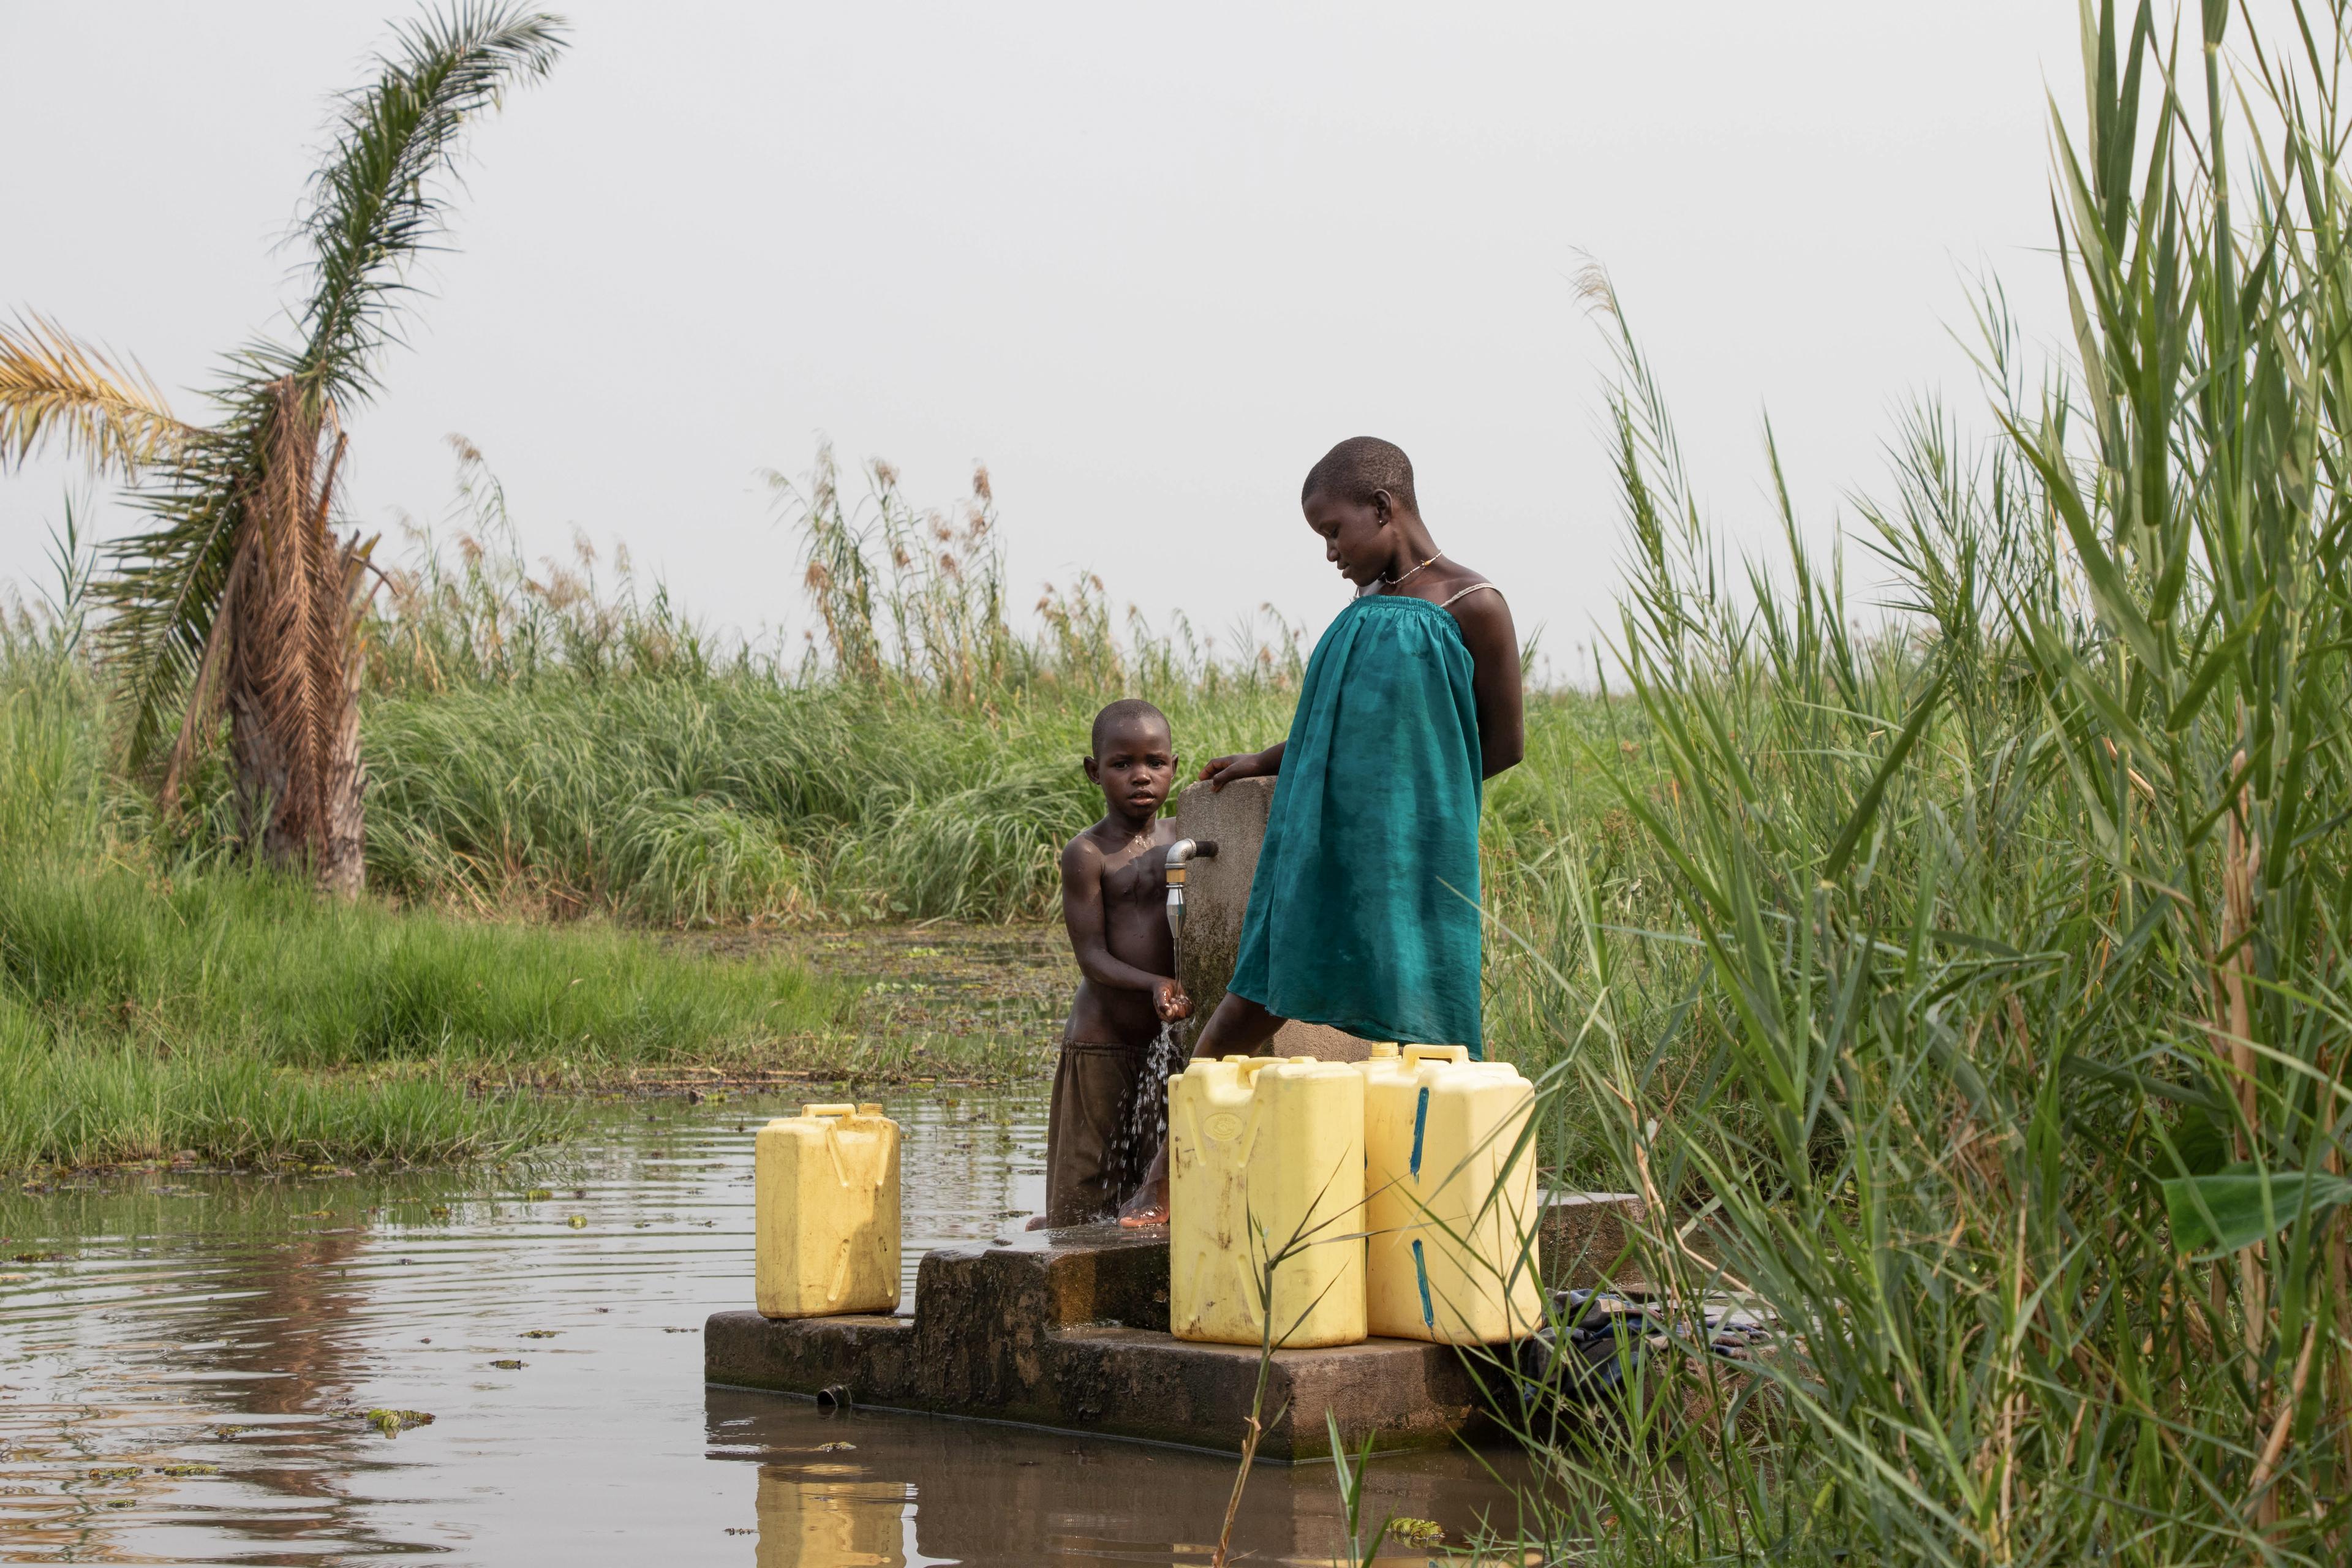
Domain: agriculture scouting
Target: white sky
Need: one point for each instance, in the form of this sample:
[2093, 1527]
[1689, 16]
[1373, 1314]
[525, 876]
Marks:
[1147, 263]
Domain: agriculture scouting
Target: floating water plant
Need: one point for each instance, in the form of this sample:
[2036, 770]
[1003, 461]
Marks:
[392, 1423]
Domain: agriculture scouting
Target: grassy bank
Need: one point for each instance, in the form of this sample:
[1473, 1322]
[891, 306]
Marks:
[551, 858]
[154, 998]
[571, 796]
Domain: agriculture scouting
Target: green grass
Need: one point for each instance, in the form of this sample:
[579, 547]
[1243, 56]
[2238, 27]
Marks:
[738, 796]
[154, 1002]
[226, 956]
[97, 1099]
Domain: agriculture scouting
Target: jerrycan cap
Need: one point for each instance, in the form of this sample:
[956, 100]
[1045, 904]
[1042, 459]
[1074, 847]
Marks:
[1382, 1050]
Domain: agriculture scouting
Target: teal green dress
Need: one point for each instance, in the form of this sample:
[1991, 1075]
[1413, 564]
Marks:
[1363, 913]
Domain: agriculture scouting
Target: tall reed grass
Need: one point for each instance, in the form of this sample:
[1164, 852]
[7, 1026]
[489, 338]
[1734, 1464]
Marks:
[1983, 1017]
[553, 740]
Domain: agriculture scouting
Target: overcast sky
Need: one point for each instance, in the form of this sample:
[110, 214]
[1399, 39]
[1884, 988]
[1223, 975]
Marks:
[1146, 263]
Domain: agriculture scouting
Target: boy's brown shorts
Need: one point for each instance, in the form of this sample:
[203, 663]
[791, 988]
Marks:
[1094, 1161]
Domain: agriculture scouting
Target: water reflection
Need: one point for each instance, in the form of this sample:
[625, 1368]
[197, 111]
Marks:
[913, 1489]
[243, 1326]
[811, 1520]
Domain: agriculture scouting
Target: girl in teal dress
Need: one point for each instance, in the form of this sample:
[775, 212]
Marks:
[1363, 913]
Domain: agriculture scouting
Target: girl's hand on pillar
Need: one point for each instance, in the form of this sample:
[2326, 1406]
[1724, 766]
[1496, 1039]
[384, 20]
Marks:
[1219, 771]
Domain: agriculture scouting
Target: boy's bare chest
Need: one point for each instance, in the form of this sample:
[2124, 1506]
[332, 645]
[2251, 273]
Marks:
[1134, 878]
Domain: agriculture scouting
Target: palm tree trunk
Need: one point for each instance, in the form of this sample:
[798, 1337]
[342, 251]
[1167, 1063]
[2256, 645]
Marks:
[291, 685]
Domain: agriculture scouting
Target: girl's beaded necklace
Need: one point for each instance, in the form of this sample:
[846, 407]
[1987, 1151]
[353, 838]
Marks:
[1398, 581]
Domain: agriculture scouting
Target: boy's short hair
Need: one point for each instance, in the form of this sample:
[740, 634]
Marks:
[1359, 466]
[1119, 713]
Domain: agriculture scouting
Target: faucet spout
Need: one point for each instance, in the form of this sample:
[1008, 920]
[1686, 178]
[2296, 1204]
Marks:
[1180, 855]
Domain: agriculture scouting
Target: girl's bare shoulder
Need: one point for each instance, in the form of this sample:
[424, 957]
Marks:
[1477, 607]
[1466, 592]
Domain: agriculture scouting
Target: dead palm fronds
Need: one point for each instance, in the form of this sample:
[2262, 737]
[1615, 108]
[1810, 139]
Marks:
[239, 595]
[283, 660]
[52, 385]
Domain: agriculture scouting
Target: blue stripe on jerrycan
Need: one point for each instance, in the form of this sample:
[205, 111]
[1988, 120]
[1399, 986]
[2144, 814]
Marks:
[1450, 1201]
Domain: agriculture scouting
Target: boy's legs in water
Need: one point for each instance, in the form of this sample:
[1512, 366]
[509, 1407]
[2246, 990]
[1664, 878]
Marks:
[1091, 1160]
[1237, 1028]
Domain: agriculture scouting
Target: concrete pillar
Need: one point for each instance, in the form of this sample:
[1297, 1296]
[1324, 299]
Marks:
[1217, 893]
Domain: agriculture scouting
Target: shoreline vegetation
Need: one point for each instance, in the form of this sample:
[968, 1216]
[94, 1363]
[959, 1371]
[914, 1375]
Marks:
[601, 855]
[604, 850]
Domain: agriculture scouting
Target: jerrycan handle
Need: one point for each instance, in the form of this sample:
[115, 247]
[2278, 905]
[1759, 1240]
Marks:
[1416, 1054]
[1252, 1065]
[829, 1111]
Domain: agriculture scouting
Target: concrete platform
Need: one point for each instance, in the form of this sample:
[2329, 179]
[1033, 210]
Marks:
[1068, 1329]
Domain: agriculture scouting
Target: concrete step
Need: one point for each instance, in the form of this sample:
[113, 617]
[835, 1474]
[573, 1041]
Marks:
[1068, 1329]
[1117, 1382]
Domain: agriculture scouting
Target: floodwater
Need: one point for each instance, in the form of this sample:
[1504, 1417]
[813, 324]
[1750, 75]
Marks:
[186, 1360]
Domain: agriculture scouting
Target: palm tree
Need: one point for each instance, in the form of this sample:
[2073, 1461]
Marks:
[241, 595]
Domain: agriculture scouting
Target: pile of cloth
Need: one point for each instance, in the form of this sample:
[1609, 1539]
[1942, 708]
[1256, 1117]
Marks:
[1598, 1342]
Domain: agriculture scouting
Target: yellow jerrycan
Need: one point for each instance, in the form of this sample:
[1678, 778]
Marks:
[825, 1212]
[1451, 1211]
[1265, 1165]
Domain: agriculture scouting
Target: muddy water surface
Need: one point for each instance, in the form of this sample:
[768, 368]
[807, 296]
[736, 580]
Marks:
[186, 1363]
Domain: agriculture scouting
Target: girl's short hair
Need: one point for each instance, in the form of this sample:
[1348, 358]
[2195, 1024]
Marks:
[1358, 469]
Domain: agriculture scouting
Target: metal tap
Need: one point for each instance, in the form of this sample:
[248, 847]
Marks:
[1180, 855]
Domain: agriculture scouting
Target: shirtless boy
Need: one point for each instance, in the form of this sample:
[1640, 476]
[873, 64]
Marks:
[1114, 900]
